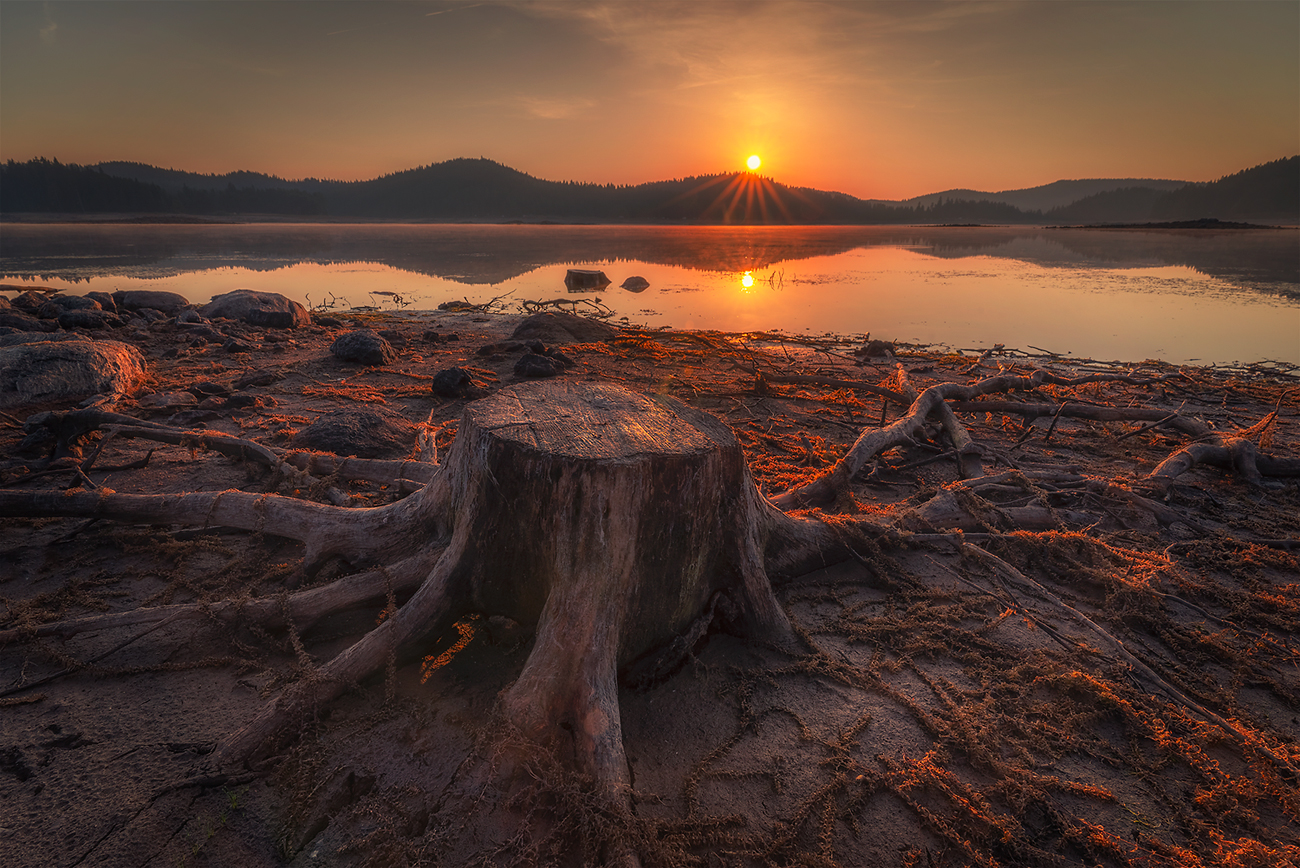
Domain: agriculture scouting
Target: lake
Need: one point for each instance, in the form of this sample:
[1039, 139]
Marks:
[1205, 295]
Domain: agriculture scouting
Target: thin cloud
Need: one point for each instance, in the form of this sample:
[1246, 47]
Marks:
[51, 28]
[453, 9]
[554, 109]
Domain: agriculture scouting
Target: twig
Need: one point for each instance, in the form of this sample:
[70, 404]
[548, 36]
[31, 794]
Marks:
[1055, 418]
[1148, 427]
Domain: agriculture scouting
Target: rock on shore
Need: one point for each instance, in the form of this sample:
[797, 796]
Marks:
[67, 370]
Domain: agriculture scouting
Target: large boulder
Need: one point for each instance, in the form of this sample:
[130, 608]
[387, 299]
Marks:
[150, 299]
[269, 309]
[563, 328]
[67, 371]
[364, 346]
[366, 432]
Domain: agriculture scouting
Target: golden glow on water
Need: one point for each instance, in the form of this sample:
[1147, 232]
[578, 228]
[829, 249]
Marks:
[1090, 294]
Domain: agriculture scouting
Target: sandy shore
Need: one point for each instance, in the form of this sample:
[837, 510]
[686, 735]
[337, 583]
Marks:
[950, 715]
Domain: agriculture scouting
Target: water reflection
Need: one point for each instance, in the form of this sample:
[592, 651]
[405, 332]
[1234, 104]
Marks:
[1203, 295]
[1264, 260]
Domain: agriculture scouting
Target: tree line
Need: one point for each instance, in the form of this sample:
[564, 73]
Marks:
[480, 189]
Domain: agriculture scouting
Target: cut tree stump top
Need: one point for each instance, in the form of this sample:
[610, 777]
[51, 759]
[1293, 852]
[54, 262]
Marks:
[595, 421]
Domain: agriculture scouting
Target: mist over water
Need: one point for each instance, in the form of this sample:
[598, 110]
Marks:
[1189, 295]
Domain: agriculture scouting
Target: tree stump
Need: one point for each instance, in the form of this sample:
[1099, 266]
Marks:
[610, 520]
[612, 526]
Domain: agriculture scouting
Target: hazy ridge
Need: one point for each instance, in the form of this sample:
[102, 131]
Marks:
[483, 190]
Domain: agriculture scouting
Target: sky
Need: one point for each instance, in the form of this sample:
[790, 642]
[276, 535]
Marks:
[880, 100]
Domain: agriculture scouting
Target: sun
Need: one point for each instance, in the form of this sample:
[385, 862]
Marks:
[753, 162]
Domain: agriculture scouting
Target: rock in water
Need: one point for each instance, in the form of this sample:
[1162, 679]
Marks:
[269, 309]
[366, 432]
[585, 280]
[67, 371]
[363, 346]
[635, 284]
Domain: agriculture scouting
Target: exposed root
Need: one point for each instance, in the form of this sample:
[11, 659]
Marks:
[827, 487]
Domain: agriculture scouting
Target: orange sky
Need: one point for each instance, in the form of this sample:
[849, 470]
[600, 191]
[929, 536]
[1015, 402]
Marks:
[876, 99]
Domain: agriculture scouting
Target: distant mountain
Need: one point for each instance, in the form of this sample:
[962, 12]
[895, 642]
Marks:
[483, 190]
[174, 180]
[51, 186]
[1266, 193]
[1048, 196]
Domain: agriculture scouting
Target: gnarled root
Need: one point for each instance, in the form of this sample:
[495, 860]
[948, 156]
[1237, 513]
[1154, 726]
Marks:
[940, 401]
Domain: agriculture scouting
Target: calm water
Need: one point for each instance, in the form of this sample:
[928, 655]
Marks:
[1188, 295]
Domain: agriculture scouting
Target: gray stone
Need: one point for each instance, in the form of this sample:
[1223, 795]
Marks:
[191, 418]
[67, 371]
[75, 302]
[18, 319]
[635, 284]
[169, 401]
[267, 309]
[366, 432]
[263, 377]
[88, 319]
[151, 299]
[563, 328]
[455, 383]
[532, 365]
[363, 346]
[29, 301]
[105, 300]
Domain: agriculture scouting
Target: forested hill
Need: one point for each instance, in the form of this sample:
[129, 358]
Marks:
[480, 189]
